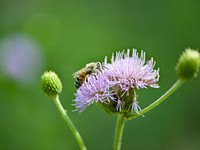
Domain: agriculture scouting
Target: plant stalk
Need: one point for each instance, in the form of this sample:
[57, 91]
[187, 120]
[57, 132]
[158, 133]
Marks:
[69, 122]
[118, 132]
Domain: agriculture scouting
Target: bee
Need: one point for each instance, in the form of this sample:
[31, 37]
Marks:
[82, 75]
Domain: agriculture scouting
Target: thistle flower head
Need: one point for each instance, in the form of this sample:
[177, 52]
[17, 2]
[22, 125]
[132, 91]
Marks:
[95, 90]
[51, 84]
[131, 72]
[114, 88]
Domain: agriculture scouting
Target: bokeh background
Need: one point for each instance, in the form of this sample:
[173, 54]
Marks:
[39, 35]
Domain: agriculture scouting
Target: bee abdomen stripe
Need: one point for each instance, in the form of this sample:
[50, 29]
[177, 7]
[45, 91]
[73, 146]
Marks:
[79, 79]
[82, 76]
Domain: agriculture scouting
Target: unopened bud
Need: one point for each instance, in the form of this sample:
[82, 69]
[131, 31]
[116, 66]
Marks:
[51, 84]
[188, 65]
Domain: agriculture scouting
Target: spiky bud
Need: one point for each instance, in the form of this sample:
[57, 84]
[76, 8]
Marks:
[188, 65]
[51, 84]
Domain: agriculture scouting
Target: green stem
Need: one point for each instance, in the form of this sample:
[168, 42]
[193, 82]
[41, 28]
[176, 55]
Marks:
[118, 132]
[69, 122]
[159, 100]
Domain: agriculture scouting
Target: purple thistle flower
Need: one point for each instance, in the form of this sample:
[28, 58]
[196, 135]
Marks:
[131, 73]
[95, 90]
[115, 86]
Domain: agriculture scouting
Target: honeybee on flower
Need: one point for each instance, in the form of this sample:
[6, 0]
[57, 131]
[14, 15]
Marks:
[84, 73]
[114, 89]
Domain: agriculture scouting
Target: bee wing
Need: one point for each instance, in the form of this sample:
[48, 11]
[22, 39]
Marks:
[78, 72]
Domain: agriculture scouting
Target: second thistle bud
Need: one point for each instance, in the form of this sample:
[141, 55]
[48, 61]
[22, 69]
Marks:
[188, 65]
[51, 84]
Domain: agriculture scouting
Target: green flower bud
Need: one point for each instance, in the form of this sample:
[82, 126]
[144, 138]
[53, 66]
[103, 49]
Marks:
[188, 65]
[51, 84]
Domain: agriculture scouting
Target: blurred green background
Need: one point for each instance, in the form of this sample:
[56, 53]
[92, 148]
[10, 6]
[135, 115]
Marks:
[65, 35]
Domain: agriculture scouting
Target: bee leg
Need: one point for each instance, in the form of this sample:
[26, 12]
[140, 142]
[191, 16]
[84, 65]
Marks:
[87, 80]
[104, 67]
[99, 66]
[95, 75]
[77, 84]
